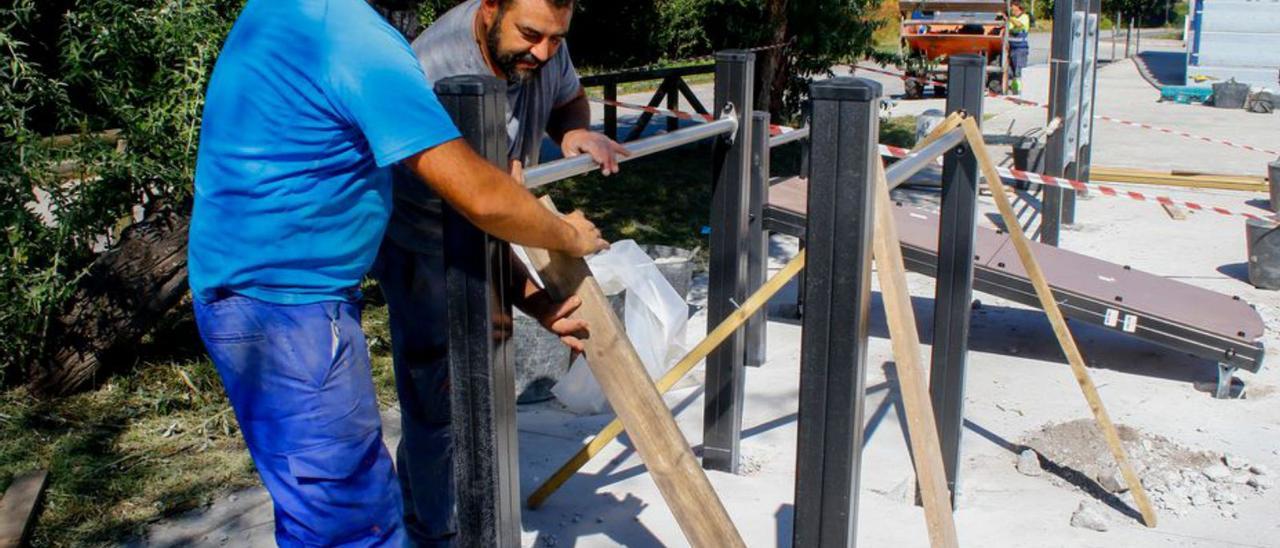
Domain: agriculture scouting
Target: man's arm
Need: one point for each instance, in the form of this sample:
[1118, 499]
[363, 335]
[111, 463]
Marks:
[568, 126]
[497, 204]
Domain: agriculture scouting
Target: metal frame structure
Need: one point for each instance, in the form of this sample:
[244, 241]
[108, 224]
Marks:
[478, 269]
[672, 88]
[1073, 66]
[481, 364]
[834, 215]
[954, 290]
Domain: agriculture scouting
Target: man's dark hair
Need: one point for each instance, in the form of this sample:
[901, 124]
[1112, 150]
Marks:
[1016, 3]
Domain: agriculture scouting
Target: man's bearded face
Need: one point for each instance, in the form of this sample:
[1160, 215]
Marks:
[520, 65]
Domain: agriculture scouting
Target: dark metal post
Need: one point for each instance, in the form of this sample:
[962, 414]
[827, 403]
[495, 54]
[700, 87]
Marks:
[722, 414]
[610, 111]
[834, 342]
[1060, 94]
[481, 366]
[1073, 67]
[757, 238]
[954, 292]
[673, 100]
[1082, 169]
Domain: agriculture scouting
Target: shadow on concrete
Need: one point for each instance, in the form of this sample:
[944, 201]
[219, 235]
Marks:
[785, 517]
[1163, 68]
[1239, 271]
[617, 521]
[1026, 332]
[1260, 203]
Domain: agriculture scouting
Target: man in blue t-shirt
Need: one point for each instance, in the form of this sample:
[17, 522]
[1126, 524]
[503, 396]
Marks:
[310, 104]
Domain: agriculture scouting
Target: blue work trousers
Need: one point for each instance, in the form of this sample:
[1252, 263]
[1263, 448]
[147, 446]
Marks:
[299, 381]
[413, 284]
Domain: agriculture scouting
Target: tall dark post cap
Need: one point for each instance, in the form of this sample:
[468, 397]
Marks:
[734, 55]
[967, 59]
[846, 88]
[469, 84]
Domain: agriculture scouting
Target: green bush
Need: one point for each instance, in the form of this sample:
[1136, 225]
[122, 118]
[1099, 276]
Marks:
[80, 67]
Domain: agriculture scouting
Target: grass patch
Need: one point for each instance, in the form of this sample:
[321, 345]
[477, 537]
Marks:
[898, 131]
[146, 445]
[149, 444]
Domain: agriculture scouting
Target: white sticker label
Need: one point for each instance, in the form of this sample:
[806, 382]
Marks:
[1107, 279]
[1130, 323]
[1112, 318]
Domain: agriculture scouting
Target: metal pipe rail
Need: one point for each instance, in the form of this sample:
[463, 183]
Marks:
[905, 168]
[789, 137]
[568, 167]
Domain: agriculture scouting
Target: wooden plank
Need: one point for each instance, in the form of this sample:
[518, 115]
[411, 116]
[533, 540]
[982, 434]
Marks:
[19, 508]
[1179, 179]
[921, 427]
[1059, 323]
[1176, 213]
[635, 399]
[717, 336]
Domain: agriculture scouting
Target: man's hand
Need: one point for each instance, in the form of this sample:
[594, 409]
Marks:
[590, 241]
[554, 316]
[601, 148]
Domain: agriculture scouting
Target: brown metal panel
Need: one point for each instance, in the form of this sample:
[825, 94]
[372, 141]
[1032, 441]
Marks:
[1139, 293]
[1133, 292]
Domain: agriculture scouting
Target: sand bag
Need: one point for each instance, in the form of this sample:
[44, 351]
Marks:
[655, 318]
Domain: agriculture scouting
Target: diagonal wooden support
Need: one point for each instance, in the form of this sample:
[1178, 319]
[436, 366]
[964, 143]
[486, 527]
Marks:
[631, 393]
[1050, 306]
[611, 431]
[921, 428]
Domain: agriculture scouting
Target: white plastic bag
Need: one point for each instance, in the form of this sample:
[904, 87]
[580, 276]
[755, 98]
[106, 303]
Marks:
[655, 319]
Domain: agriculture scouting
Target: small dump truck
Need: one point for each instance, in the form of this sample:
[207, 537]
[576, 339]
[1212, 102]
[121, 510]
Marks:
[934, 30]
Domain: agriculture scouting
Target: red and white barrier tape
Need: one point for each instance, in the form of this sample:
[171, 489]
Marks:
[1026, 102]
[1005, 173]
[1085, 188]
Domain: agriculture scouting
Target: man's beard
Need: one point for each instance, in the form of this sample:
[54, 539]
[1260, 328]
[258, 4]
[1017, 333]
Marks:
[508, 63]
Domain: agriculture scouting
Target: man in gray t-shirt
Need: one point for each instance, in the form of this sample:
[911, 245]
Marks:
[521, 41]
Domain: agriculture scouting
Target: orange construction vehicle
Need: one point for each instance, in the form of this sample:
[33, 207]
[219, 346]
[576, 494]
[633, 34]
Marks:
[934, 30]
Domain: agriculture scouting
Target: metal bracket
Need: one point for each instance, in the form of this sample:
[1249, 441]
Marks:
[1226, 374]
[732, 114]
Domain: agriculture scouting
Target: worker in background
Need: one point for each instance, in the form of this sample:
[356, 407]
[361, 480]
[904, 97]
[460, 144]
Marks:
[1019, 49]
[522, 42]
[310, 104]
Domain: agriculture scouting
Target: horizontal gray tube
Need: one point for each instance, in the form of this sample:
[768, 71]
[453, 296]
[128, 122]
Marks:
[789, 137]
[899, 173]
[568, 167]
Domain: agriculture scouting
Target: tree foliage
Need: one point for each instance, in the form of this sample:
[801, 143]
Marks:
[80, 67]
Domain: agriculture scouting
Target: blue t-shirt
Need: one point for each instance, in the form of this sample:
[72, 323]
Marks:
[309, 104]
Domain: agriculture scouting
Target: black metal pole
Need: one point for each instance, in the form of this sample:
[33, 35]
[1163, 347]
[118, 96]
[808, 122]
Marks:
[481, 366]
[757, 238]
[722, 412]
[610, 111]
[672, 84]
[954, 291]
[1057, 157]
[834, 342]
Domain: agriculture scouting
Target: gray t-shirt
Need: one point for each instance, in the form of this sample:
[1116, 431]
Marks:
[449, 48]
